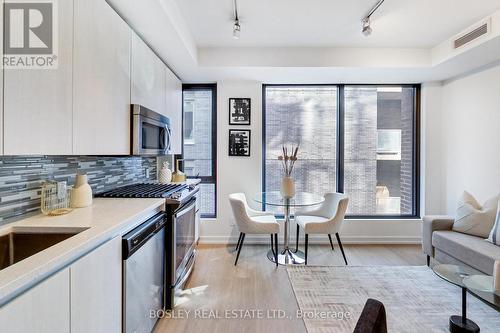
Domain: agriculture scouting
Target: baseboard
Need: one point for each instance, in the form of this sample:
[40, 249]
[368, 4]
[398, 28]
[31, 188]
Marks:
[319, 239]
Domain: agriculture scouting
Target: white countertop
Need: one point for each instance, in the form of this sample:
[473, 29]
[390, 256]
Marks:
[104, 220]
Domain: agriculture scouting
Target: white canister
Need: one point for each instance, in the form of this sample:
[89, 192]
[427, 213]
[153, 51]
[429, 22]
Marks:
[165, 175]
[81, 195]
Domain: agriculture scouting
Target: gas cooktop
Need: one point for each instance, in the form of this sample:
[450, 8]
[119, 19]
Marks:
[145, 190]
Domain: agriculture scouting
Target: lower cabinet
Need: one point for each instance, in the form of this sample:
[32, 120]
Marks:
[44, 308]
[96, 290]
[84, 297]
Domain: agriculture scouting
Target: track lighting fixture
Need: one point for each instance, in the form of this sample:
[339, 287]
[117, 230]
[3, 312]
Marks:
[366, 27]
[236, 26]
[236, 29]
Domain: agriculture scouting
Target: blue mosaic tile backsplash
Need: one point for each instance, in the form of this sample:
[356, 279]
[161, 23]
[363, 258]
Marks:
[21, 177]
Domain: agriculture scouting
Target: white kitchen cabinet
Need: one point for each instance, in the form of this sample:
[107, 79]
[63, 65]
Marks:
[101, 87]
[38, 102]
[174, 109]
[44, 308]
[1, 82]
[148, 83]
[96, 290]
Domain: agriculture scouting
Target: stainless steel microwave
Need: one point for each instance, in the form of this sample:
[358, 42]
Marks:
[151, 132]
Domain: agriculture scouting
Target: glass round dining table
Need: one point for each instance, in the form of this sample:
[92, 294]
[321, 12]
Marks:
[301, 199]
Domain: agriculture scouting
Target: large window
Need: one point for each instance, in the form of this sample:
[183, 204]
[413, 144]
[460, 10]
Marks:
[199, 146]
[360, 140]
[304, 116]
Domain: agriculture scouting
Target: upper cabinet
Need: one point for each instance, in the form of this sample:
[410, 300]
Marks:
[174, 109]
[101, 86]
[37, 102]
[1, 82]
[148, 84]
[82, 107]
[154, 86]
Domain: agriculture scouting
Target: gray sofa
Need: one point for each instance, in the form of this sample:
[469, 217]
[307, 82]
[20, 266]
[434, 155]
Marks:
[450, 247]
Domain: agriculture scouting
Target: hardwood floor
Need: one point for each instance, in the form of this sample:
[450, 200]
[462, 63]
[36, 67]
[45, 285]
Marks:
[216, 286]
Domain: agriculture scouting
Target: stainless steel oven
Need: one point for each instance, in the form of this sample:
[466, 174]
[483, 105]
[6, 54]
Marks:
[151, 132]
[180, 234]
[181, 245]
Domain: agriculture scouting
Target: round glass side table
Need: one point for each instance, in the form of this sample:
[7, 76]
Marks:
[457, 275]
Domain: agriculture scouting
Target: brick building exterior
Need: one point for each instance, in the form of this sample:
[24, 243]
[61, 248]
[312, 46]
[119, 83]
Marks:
[377, 183]
[198, 150]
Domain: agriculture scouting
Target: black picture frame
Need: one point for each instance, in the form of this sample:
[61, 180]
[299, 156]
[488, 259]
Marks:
[237, 148]
[240, 111]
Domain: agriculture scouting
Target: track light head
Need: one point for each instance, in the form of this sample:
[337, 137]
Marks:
[236, 29]
[367, 30]
[236, 26]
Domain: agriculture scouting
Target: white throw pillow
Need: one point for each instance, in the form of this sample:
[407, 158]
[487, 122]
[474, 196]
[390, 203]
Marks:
[495, 231]
[472, 219]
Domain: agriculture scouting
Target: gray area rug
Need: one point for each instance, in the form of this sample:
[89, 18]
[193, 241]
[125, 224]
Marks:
[416, 300]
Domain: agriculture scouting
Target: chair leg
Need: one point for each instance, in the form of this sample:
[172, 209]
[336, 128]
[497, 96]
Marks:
[276, 249]
[239, 248]
[428, 261]
[341, 248]
[297, 239]
[331, 243]
[305, 252]
[238, 244]
[272, 243]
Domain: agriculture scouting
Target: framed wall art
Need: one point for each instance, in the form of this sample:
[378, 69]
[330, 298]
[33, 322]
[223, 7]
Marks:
[239, 111]
[239, 142]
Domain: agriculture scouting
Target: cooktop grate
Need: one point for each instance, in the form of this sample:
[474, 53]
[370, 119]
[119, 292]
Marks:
[143, 190]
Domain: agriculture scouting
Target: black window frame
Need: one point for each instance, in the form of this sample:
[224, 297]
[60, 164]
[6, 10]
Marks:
[340, 141]
[213, 178]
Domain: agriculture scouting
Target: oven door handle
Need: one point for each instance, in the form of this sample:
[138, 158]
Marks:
[186, 208]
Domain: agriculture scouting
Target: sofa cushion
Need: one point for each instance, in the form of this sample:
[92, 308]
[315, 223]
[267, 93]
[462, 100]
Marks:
[495, 231]
[474, 251]
[474, 219]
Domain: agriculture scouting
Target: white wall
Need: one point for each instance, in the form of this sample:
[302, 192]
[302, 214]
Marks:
[244, 174]
[471, 136]
[234, 174]
[431, 171]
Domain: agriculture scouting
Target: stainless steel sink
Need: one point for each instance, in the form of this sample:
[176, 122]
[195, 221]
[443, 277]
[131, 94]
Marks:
[18, 245]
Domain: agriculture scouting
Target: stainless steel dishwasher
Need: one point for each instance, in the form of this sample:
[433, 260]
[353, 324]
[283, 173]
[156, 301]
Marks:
[143, 274]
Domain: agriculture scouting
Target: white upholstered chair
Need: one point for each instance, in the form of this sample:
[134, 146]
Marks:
[250, 221]
[325, 219]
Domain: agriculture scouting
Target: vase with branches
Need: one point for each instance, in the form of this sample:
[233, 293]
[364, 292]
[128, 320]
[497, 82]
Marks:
[288, 160]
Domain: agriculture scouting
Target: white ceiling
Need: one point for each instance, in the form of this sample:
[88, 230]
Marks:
[315, 41]
[332, 23]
